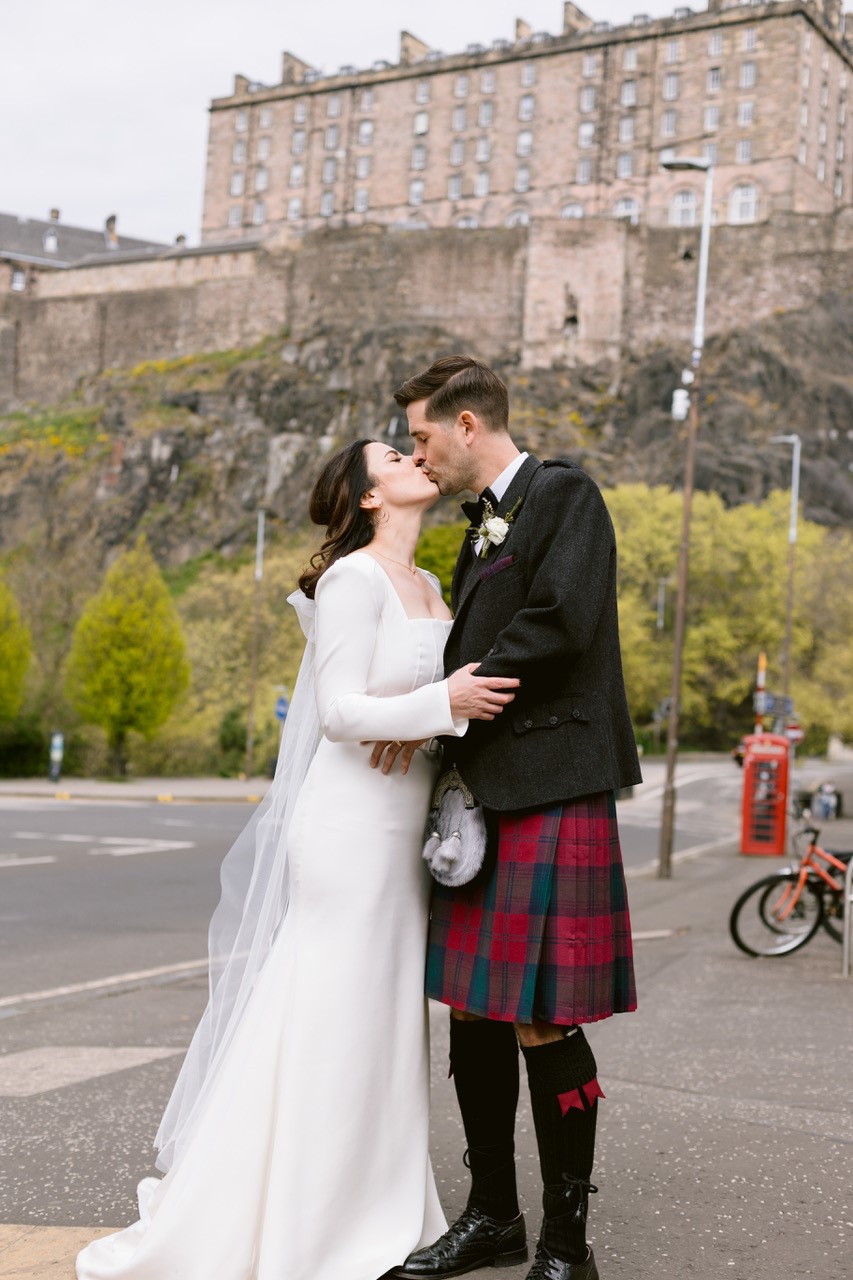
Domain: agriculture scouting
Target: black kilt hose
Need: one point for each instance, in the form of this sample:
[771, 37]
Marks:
[543, 931]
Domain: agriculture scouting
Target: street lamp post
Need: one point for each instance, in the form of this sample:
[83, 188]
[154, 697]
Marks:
[793, 439]
[691, 378]
[256, 627]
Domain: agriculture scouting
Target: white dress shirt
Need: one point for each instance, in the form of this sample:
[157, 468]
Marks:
[499, 488]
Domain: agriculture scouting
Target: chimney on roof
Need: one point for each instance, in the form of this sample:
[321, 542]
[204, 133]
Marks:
[110, 233]
[293, 69]
[523, 30]
[181, 241]
[574, 19]
[411, 49]
[54, 215]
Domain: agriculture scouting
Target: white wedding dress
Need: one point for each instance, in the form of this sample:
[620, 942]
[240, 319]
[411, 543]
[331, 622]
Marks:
[309, 1158]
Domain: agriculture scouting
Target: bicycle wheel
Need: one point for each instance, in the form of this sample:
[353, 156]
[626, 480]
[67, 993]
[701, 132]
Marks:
[762, 924]
[833, 914]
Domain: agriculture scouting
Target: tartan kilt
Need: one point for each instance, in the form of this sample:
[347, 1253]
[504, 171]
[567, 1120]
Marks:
[543, 930]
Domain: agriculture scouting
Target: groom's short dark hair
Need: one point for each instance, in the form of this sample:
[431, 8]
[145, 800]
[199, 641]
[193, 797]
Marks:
[455, 383]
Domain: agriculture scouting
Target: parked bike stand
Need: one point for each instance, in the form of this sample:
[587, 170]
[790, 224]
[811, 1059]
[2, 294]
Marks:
[847, 935]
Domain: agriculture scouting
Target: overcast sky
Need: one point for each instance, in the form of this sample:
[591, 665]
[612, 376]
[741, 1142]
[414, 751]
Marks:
[104, 105]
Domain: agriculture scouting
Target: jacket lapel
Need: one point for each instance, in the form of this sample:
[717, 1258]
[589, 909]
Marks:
[464, 586]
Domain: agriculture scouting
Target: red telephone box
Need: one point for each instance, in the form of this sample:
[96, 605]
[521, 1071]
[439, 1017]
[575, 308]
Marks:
[765, 794]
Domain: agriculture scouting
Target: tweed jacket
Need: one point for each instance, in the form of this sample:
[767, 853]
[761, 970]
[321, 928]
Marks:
[542, 606]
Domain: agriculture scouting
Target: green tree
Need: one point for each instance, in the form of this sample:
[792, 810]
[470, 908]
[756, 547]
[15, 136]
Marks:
[127, 667]
[14, 654]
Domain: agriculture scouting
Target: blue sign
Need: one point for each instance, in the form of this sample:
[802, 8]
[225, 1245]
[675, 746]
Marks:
[281, 707]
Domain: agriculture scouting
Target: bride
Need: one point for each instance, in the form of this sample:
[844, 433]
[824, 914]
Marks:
[294, 1145]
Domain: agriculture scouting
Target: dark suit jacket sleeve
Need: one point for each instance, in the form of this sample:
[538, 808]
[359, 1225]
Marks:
[569, 552]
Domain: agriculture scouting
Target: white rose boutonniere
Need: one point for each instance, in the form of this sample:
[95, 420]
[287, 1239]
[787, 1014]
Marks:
[494, 528]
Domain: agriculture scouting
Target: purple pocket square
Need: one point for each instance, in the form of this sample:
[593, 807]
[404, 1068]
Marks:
[492, 569]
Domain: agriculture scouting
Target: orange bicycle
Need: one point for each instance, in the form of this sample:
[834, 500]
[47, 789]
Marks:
[782, 912]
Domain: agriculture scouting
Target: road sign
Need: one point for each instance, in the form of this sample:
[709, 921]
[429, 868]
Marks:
[772, 704]
[795, 734]
[281, 706]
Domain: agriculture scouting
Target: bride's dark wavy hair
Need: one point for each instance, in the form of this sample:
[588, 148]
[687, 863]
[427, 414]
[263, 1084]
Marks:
[334, 504]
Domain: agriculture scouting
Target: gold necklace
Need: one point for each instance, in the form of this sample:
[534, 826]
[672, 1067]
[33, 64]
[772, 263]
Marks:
[411, 570]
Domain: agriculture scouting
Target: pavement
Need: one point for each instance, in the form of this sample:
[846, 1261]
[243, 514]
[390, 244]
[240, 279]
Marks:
[725, 1142]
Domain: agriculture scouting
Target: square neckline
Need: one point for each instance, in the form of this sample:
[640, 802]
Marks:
[445, 622]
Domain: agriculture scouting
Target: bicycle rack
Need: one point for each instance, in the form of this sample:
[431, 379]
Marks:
[847, 934]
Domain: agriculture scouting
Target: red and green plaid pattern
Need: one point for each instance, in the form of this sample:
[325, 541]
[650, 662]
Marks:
[543, 931]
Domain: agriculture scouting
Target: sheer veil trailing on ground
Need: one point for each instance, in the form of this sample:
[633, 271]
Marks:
[251, 908]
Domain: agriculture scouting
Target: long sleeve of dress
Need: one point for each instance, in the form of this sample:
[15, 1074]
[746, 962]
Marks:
[349, 602]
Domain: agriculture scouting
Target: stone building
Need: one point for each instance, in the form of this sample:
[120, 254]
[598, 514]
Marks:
[548, 126]
[32, 246]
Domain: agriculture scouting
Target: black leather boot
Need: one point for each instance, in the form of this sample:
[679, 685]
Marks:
[562, 1252]
[474, 1240]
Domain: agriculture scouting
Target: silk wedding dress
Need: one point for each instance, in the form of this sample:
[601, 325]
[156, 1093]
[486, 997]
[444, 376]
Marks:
[309, 1157]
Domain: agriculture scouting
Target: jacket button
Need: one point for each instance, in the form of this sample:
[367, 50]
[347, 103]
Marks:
[553, 720]
[528, 724]
[576, 715]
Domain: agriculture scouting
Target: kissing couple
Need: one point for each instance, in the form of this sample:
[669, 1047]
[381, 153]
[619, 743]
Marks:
[295, 1143]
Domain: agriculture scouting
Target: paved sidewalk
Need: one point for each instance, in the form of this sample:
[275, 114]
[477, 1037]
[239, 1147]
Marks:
[138, 790]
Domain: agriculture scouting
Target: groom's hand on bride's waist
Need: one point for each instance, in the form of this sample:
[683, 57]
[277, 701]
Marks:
[390, 751]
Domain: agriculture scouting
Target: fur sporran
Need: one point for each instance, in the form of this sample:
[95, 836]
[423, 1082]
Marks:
[456, 832]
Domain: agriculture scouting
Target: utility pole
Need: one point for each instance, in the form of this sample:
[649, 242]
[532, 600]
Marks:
[256, 627]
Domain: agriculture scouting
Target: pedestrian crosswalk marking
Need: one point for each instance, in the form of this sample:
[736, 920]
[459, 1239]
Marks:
[23, 862]
[112, 846]
[32, 1071]
[96, 984]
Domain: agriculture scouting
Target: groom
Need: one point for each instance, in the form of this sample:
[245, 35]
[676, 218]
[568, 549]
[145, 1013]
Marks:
[540, 941]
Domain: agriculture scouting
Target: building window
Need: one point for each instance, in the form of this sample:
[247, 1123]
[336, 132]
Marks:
[460, 119]
[750, 40]
[842, 112]
[241, 121]
[747, 75]
[366, 104]
[743, 203]
[294, 209]
[333, 135]
[19, 280]
[713, 80]
[712, 119]
[804, 116]
[487, 81]
[743, 151]
[821, 133]
[298, 147]
[586, 135]
[667, 154]
[486, 114]
[237, 184]
[460, 87]
[238, 155]
[327, 204]
[628, 94]
[821, 170]
[584, 171]
[682, 211]
[839, 149]
[259, 213]
[626, 129]
[364, 166]
[745, 113]
[484, 151]
[454, 186]
[625, 165]
[300, 113]
[330, 169]
[572, 210]
[807, 42]
[668, 124]
[297, 175]
[629, 61]
[526, 107]
[518, 218]
[467, 223]
[263, 148]
[589, 67]
[803, 153]
[807, 75]
[528, 75]
[670, 86]
[262, 179]
[235, 215]
[419, 156]
[839, 186]
[709, 151]
[265, 118]
[457, 151]
[481, 183]
[524, 143]
[824, 60]
[628, 209]
[824, 95]
[522, 179]
[333, 106]
[673, 51]
[365, 133]
[422, 91]
[588, 97]
[715, 44]
[362, 200]
[421, 125]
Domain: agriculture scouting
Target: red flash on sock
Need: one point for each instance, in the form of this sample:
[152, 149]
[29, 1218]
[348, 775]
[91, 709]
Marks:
[573, 1097]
